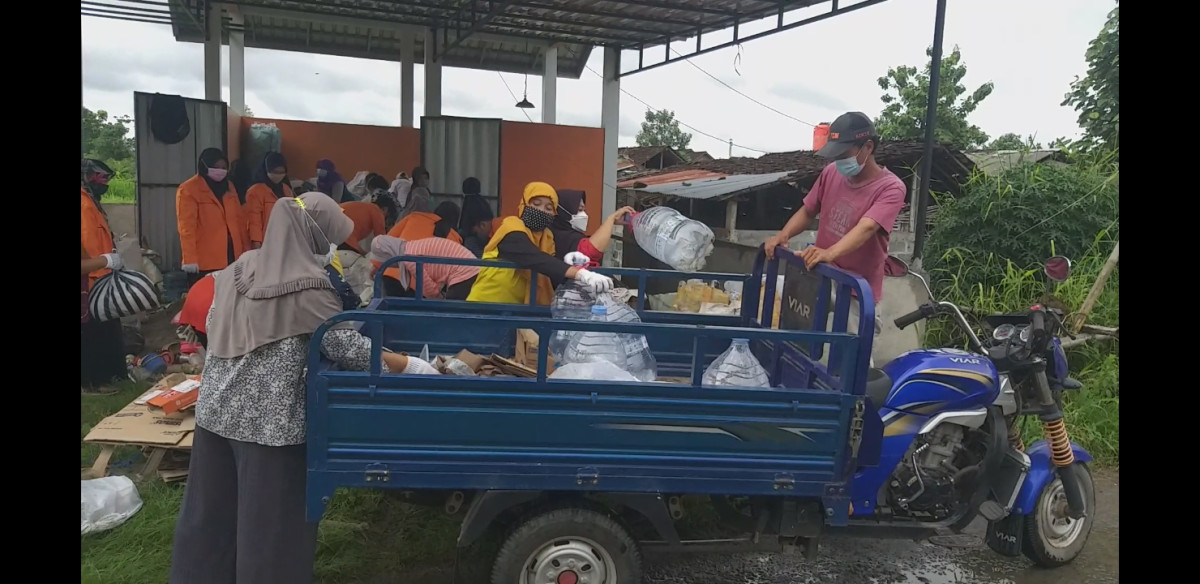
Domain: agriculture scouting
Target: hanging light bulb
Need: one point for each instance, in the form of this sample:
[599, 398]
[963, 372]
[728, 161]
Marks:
[525, 103]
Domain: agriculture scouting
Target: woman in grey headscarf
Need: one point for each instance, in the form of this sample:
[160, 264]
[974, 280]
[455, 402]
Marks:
[419, 200]
[243, 510]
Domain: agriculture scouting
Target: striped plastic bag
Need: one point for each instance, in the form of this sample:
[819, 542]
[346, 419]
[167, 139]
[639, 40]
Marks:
[122, 293]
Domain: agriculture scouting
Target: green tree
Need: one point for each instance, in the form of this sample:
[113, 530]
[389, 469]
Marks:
[660, 128]
[1097, 96]
[906, 96]
[247, 112]
[1013, 141]
[107, 140]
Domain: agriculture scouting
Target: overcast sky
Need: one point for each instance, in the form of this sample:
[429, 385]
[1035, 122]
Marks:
[1030, 49]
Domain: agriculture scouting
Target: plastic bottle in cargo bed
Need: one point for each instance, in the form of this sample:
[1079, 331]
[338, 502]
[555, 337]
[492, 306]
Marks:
[572, 301]
[628, 351]
[737, 367]
[671, 238]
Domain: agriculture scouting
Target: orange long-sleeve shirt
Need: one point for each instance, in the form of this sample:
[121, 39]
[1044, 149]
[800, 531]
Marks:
[260, 199]
[94, 235]
[206, 225]
[368, 220]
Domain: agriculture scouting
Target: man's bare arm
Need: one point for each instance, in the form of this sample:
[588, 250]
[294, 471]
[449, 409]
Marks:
[855, 239]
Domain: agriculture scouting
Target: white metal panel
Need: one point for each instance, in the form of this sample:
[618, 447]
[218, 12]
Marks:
[453, 149]
[162, 167]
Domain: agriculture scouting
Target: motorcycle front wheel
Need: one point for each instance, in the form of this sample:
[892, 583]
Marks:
[1052, 538]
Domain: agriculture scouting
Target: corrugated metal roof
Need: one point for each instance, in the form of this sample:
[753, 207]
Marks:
[1000, 160]
[669, 177]
[503, 36]
[717, 187]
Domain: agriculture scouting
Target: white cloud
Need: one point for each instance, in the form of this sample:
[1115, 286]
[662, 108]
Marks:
[1030, 49]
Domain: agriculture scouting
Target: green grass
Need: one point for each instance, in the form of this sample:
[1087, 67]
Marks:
[366, 537]
[120, 191]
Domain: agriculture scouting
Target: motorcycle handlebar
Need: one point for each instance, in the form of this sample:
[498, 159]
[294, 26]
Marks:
[912, 317]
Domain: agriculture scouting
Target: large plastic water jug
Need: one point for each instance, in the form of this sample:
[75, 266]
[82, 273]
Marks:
[572, 301]
[629, 352]
[670, 237]
[737, 367]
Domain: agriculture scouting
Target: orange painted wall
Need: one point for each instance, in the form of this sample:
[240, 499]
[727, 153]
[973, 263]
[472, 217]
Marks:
[383, 149]
[566, 157]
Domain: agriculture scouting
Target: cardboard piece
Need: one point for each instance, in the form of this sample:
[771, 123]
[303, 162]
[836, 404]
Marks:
[138, 424]
[510, 367]
[527, 351]
[475, 362]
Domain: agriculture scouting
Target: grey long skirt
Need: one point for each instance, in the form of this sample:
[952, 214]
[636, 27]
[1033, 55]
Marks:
[242, 520]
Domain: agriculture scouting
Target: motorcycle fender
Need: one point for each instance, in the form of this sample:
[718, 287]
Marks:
[1041, 473]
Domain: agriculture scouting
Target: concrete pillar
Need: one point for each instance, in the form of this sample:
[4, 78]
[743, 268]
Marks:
[731, 215]
[550, 84]
[212, 52]
[237, 64]
[407, 54]
[610, 120]
[433, 76]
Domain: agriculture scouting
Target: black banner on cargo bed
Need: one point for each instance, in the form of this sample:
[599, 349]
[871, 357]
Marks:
[798, 310]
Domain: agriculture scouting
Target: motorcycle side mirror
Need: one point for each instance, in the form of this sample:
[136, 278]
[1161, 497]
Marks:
[895, 267]
[1058, 268]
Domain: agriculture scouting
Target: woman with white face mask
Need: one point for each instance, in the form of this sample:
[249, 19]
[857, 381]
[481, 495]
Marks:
[570, 228]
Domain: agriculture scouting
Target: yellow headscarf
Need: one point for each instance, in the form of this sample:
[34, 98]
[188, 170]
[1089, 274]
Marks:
[543, 240]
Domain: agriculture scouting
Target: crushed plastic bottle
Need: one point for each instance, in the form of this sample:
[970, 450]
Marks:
[572, 301]
[737, 367]
[670, 237]
[629, 352]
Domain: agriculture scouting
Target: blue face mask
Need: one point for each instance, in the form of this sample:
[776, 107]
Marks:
[849, 167]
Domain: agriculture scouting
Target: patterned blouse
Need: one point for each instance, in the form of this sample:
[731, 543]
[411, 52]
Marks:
[261, 397]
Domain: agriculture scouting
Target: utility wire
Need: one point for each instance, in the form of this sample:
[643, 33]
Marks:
[514, 95]
[739, 92]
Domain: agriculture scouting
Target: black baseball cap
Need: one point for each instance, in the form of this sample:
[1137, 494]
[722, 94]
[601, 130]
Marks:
[844, 132]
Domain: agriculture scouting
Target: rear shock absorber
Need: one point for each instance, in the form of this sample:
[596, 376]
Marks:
[1014, 436]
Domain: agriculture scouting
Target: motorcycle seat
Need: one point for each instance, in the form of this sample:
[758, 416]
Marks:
[878, 386]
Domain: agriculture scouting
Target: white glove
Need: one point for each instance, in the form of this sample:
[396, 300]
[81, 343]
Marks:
[597, 282]
[191, 268]
[419, 367]
[576, 258]
[113, 261]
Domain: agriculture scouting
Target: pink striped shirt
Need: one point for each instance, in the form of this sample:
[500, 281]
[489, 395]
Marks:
[438, 275]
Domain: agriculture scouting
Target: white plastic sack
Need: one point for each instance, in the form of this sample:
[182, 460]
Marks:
[593, 371]
[358, 184]
[106, 503]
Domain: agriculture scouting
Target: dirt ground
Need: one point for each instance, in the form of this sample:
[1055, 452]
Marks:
[855, 561]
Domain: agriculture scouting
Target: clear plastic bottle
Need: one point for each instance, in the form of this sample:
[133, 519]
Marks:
[572, 301]
[672, 238]
[628, 351]
[737, 367]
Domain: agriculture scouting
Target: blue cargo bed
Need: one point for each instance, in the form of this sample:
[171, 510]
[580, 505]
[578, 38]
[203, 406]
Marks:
[373, 429]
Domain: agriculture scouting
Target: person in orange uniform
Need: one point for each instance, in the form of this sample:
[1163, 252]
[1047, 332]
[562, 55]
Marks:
[101, 345]
[369, 220]
[270, 185]
[212, 229]
[420, 224]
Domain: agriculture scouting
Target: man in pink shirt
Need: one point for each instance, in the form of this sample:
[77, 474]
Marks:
[857, 202]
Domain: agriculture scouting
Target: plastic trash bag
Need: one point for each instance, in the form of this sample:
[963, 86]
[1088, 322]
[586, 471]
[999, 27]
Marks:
[593, 371]
[106, 503]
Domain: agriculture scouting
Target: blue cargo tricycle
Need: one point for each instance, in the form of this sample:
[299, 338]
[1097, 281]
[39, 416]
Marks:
[585, 475]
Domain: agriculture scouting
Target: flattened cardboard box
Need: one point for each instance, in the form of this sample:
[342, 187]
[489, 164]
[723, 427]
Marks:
[138, 424]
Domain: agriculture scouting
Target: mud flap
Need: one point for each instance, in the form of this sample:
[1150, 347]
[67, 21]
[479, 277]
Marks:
[1004, 536]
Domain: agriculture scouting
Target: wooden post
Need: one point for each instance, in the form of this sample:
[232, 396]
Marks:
[1098, 287]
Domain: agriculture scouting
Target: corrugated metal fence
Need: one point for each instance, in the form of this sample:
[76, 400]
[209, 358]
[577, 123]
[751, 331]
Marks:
[453, 149]
[161, 167]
